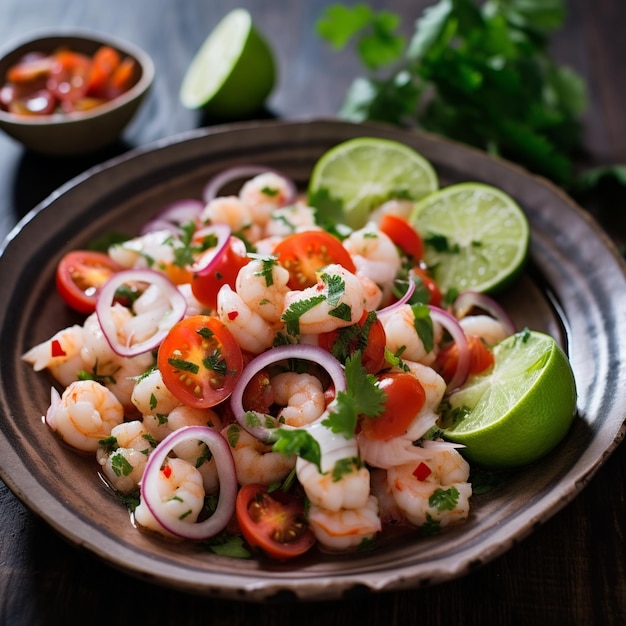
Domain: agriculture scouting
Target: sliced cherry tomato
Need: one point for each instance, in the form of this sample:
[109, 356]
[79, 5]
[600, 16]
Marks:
[104, 63]
[430, 285]
[405, 398]
[200, 361]
[274, 522]
[80, 275]
[403, 235]
[258, 394]
[29, 68]
[122, 78]
[67, 79]
[205, 287]
[481, 358]
[368, 336]
[302, 254]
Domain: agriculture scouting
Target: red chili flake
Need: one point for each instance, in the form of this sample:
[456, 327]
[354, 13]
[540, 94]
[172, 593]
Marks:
[320, 287]
[167, 471]
[57, 348]
[422, 471]
[233, 315]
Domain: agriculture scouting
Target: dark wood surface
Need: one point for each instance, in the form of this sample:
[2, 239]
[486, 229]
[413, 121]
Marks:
[571, 570]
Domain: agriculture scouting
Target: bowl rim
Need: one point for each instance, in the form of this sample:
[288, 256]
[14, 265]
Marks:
[140, 87]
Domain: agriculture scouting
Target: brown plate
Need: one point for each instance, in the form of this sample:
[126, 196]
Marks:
[574, 288]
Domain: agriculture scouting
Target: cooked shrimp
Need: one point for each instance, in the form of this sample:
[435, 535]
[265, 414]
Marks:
[180, 487]
[301, 397]
[153, 249]
[230, 210]
[194, 306]
[399, 207]
[252, 332]
[291, 219]
[123, 455]
[84, 414]
[61, 354]
[255, 461]
[374, 255]
[489, 329]
[262, 285]
[439, 498]
[403, 337]
[345, 529]
[338, 290]
[372, 293]
[263, 194]
[152, 397]
[388, 510]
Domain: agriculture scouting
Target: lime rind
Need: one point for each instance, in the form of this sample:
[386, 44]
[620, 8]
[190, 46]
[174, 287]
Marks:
[364, 172]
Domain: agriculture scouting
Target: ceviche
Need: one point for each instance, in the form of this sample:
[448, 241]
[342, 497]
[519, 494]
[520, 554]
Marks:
[246, 371]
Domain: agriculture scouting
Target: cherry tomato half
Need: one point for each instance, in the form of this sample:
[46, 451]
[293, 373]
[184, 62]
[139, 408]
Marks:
[481, 358]
[345, 341]
[302, 254]
[430, 285]
[405, 398]
[274, 522]
[200, 361]
[80, 275]
[225, 272]
[403, 235]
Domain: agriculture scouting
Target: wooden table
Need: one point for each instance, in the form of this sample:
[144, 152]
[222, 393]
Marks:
[571, 570]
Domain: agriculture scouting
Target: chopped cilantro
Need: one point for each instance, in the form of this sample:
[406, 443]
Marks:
[444, 499]
[296, 310]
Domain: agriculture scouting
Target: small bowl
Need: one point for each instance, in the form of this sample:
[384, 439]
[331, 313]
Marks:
[77, 132]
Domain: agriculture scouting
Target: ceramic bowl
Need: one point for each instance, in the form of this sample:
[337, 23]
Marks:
[85, 131]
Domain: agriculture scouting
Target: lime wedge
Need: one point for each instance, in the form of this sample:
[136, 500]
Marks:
[233, 72]
[476, 237]
[517, 411]
[358, 175]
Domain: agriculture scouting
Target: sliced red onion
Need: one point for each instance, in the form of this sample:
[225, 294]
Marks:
[107, 322]
[392, 308]
[467, 300]
[451, 324]
[293, 351]
[175, 214]
[241, 172]
[207, 260]
[225, 465]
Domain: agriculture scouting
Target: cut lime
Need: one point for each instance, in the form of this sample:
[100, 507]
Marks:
[520, 409]
[360, 174]
[233, 72]
[476, 237]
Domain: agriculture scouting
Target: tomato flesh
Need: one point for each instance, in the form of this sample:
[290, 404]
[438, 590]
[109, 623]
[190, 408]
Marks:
[200, 361]
[481, 358]
[405, 398]
[303, 254]
[274, 522]
[80, 276]
[403, 235]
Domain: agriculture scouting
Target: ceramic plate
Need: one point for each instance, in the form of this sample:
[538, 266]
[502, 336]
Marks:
[574, 288]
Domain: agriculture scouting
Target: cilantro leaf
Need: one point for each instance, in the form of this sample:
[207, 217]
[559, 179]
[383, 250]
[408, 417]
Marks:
[291, 316]
[298, 442]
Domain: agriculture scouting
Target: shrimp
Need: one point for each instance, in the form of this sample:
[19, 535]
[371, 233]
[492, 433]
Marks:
[291, 219]
[341, 302]
[375, 255]
[152, 397]
[86, 413]
[347, 528]
[153, 249]
[263, 194]
[300, 395]
[372, 293]
[489, 329]
[441, 496]
[252, 332]
[400, 207]
[255, 461]
[194, 306]
[182, 496]
[124, 454]
[61, 354]
[388, 510]
[402, 336]
[262, 285]
[230, 210]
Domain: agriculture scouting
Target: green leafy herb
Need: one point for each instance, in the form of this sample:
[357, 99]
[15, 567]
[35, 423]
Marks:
[423, 325]
[300, 443]
[444, 499]
[296, 310]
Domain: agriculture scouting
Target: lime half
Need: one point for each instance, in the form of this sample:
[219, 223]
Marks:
[520, 409]
[233, 72]
[475, 236]
[360, 174]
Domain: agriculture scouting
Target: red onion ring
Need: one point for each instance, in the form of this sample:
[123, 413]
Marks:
[174, 215]
[227, 478]
[293, 351]
[392, 308]
[207, 260]
[105, 303]
[451, 324]
[467, 300]
[240, 172]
